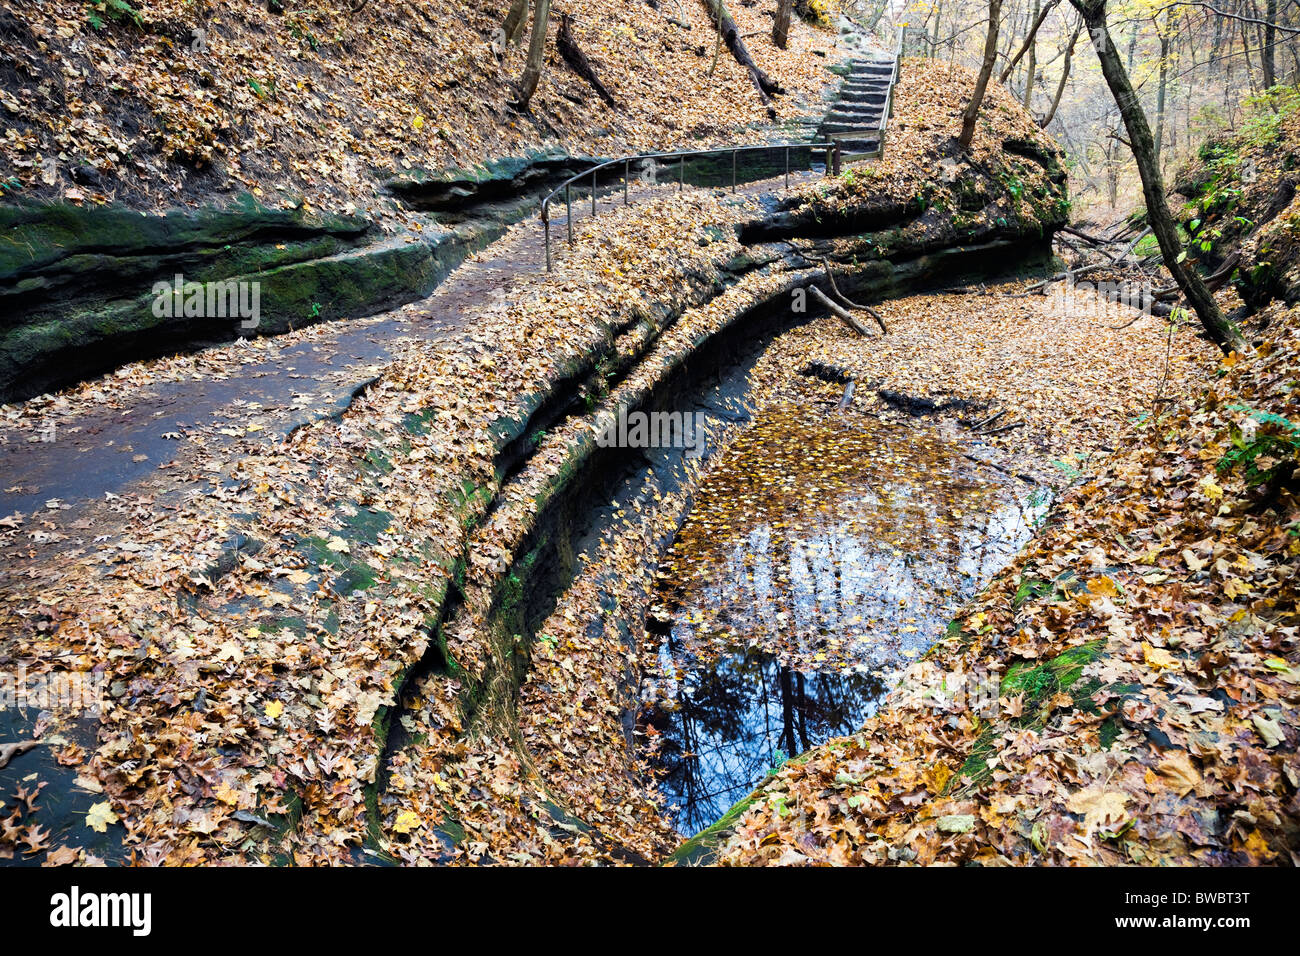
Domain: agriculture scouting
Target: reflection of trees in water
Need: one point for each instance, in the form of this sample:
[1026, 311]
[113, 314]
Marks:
[826, 568]
[731, 719]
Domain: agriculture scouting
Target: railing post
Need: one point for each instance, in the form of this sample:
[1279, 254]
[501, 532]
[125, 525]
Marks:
[787, 169]
[546, 224]
[593, 192]
[627, 171]
[733, 169]
[568, 208]
[835, 155]
[681, 172]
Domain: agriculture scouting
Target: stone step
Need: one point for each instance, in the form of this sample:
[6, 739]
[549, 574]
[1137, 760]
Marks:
[866, 112]
[834, 127]
[875, 97]
[866, 85]
[856, 144]
[881, 70]
[859, 106]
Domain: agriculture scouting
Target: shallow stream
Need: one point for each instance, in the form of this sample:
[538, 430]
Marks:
[823, 552]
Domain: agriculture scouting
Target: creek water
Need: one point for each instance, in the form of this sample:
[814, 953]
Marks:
[821, 555]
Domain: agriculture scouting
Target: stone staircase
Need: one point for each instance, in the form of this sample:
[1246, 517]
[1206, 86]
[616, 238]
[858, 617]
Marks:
[854, 120]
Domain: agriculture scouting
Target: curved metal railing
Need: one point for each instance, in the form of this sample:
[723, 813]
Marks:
[681, 156]
[831, 147]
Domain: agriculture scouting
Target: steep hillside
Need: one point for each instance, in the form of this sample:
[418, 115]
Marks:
[170, 102]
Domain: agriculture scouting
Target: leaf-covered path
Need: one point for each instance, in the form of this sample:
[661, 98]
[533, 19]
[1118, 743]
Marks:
[143, 430]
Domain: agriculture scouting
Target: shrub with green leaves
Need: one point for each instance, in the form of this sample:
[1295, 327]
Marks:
[1274, 446]
[119, 11]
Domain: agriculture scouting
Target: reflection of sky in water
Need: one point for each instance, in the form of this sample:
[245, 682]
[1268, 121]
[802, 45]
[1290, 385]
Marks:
[798, 582]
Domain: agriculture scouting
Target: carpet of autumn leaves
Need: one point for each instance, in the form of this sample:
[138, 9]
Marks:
[321, 103]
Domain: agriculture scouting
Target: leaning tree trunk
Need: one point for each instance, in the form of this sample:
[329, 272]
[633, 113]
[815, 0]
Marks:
[516, 20]
[781, 26]
[536, 54]
[1065, 76]
[982, 83]
[1153, 188]
[1040, 14]
[765, 85]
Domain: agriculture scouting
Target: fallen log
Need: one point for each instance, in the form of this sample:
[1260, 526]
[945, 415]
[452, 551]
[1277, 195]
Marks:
[921, 404]
[827, 373]
[766, 86]
[577, 60]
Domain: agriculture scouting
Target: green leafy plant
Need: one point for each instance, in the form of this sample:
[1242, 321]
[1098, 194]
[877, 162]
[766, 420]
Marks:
[779, 759]
[119, 11]
[1269, 454]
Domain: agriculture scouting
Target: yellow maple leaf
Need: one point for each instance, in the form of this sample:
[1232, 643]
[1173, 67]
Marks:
[1100, 808]
[407, 821]
[100, 816]
[1157, 657]
[274, 709]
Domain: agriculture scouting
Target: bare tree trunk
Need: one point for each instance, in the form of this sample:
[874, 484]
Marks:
[1270, 70]
[1040, 14]
[781, 26]
[1031, 62]
[1153, 188]
[982, 82]
[516, 20]
[536, 54]
[1065, 75]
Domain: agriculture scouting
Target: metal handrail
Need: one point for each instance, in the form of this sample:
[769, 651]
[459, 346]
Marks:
[832, 160]
[888, 112]
[680, 155]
